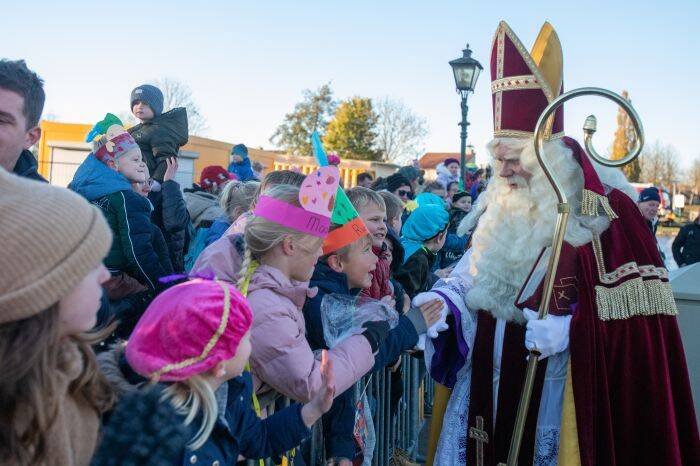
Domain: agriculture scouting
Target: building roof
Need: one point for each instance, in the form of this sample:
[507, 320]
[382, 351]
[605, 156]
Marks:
[433, 159]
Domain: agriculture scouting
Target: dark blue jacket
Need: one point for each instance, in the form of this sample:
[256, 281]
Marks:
[171, 216]
[242, 170]
[217, 230]
[339, 421]
[26, 167]
[246, 434]
[128, 215]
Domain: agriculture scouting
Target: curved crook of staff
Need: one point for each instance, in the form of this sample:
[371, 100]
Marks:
[563, 208]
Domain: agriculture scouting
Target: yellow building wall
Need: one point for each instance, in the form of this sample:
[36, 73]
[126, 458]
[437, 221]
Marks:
[55, 131]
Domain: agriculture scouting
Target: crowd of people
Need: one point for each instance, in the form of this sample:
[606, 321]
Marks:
[211, 296]
[141, 323]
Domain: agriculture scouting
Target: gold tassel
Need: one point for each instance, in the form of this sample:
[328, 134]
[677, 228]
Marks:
[591, 201]
[635, 297]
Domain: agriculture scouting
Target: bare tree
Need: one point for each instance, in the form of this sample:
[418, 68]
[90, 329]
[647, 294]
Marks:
[660, 165]
[400, 133]
[179, 94]
[693, 176]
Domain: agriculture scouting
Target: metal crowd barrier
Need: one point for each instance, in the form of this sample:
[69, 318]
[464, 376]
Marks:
[397, 436]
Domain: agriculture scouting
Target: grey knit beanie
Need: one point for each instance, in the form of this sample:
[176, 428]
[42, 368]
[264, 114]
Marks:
[149, 94]
[52, 238]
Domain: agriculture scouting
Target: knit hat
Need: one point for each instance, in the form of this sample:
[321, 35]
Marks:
[188, 329]
[214, 174]
[411, 173]
[449, 161]
[395, 181]
[429, 198]
[649, 194]
[457, 196]
[424, 223]
[149, 94]
[240, 150]
[51, 239]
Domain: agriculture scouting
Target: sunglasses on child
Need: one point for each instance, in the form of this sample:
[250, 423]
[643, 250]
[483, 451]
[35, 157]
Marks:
[403, 192]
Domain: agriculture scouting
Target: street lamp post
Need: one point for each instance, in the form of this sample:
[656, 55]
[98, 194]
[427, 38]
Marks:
[466, 71]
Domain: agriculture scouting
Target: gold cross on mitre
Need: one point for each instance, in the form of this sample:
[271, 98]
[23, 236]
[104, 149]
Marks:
[481, 437]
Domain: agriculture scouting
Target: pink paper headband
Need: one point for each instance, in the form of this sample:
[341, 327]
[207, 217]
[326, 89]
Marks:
[292, 217]
[317, 198]
[119, 145]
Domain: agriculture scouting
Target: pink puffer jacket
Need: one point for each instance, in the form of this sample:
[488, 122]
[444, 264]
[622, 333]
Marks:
[281, 357]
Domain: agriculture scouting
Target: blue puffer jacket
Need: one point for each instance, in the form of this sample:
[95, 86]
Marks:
[242, 170]
[217, 229]
[339, 421]
[129, 217]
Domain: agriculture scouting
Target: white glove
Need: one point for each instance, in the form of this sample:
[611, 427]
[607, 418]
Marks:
[549, 336]
[440, 325]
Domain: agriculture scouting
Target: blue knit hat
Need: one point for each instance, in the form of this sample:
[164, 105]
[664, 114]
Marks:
[240, 150]
[424, 223]
[429, 198]
[649, 194]
[149, 94]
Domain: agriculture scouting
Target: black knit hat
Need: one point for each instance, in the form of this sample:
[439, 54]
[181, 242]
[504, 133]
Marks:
[395, 181]
[457, 196]
[149, 94]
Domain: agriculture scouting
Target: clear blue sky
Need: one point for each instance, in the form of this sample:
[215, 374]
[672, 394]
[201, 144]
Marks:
[247, 62]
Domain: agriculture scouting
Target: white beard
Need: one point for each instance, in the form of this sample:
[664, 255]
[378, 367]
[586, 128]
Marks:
[514, 225]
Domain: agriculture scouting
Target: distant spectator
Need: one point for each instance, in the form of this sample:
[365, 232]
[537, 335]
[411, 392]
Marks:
[236, 199]
[365, 180]
[455, 245]
[159, 135]
[649, 202]
[379, 184]
[258, 169]
[414, 176]
[394, 211]
[400, 186]
[21, 103]
[686, 246]
[437, 188]
[448, 172]
[240, 163]
[452, 189]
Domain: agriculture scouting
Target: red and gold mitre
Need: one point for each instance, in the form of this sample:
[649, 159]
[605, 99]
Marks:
[523, 83]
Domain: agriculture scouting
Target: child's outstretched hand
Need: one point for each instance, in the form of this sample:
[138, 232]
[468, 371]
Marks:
[431, 311]
[171, 169]
[323, 399]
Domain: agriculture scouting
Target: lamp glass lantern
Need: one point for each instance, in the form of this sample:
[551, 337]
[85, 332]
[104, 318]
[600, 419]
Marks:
[466, 71]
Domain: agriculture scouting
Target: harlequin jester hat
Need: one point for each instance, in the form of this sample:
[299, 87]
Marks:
[317, 197]
[110, 139]
[352, 227]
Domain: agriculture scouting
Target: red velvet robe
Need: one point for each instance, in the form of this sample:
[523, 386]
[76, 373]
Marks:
[630, 381]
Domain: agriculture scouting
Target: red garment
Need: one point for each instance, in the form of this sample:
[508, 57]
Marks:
[380, 286]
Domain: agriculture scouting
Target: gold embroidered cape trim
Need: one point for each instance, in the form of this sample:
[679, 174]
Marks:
[591, 201]
[210, 344]
[634, 297]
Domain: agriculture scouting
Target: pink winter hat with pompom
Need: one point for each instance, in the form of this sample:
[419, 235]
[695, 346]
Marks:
[188, 329]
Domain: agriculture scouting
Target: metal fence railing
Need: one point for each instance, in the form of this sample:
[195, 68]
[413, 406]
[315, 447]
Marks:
[397, 434]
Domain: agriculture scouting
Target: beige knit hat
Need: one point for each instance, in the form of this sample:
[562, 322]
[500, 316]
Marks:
[50, 239]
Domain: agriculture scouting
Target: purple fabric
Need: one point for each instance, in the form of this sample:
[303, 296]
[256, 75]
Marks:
[446, 362]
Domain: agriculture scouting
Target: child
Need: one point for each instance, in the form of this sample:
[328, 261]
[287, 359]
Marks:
[285, 240]
[159, 135]
[224, 256]
[104, 179]
[437, 188]
[370, 206]
[394, 211]
[51, 393]
[195, 339]
[452, 189]
[455, 246]
[346, 271]
[240, 163]
[423, 235]
[235, 200]
[448, 171]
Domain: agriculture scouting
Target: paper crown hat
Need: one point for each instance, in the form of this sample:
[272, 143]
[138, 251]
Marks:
[351, 227]
[523, 83]
[110, 138]
[317, 197]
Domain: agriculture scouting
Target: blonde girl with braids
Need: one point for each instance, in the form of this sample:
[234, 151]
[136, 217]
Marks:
[281, 252]
[194, 338]
[51, 392]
